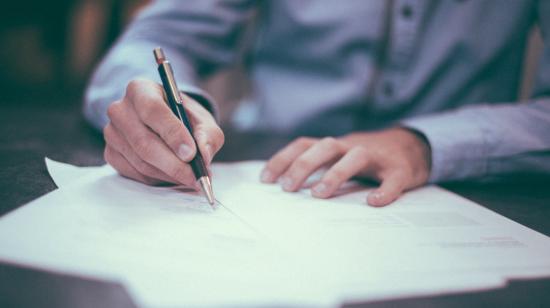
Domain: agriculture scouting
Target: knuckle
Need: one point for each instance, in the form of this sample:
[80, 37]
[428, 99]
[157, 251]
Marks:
[134, 87]
[302, 141]
[220, 135]
[219, 138]
[107, 133]
[330, 143]
[114, 110]
[142, 91]
[112, 138]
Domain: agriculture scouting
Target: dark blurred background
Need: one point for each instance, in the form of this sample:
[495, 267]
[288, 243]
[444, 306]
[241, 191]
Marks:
[48, 48]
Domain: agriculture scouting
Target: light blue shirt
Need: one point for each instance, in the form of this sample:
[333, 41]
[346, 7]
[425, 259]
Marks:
[448, 69]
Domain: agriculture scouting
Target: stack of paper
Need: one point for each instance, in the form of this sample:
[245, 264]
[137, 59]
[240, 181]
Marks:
[263, 246]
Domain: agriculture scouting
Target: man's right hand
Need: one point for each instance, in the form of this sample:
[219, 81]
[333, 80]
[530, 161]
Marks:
[146, 142]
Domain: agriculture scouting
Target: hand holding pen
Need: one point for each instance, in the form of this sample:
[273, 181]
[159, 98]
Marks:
[145, 141]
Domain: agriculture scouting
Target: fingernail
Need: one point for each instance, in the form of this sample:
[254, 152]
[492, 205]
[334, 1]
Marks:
[319, 189]
[375, 198]
[376, 195]
[266, 176]
[287, 183]
[184, 152]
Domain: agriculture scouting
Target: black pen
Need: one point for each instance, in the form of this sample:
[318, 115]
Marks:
[175, 102]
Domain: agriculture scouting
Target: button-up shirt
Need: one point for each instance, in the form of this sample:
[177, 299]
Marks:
[448, 69]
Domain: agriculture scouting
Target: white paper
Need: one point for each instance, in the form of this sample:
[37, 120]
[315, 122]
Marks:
[64, 175]
[264, 246]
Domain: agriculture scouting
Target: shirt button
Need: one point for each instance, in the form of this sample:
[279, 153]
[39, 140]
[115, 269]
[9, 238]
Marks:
[407, 11]
[388, 89]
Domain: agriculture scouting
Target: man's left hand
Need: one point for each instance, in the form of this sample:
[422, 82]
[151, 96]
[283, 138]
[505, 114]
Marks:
[397, 158]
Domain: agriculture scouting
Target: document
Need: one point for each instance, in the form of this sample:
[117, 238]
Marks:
[262, 246]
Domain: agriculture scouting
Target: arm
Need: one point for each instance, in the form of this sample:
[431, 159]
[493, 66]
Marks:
[466, 143]
[488, 140]
[199, 37]
[144, 139]
[494, 140]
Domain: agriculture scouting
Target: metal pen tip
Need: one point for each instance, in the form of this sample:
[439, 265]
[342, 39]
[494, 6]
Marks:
[206, 186]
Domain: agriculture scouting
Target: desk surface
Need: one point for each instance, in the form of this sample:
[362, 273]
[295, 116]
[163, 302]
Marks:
[28, 135]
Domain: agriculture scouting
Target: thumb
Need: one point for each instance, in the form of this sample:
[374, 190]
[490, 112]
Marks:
[390, 189]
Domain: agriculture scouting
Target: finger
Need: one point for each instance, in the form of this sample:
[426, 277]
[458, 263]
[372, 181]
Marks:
[124, 168]
[280, 162]
[351, 164]
[319, 154]
[120, 145]
[147, 99]
[207, 133]
[390, 189]
[148, 145]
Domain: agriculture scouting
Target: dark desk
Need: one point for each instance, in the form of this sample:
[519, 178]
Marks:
[27, 136]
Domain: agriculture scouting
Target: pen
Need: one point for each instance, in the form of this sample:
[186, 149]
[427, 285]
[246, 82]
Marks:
[175, 102]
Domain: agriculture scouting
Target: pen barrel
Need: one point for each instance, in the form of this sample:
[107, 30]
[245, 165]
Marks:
[176, 105]
[197, 163]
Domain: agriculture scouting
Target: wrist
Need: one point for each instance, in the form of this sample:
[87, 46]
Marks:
[419, 146]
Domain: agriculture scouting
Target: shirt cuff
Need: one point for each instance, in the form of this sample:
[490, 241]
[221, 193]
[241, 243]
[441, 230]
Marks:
[458, 144]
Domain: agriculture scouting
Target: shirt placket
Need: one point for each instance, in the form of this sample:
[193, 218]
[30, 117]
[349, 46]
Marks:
[403, 36]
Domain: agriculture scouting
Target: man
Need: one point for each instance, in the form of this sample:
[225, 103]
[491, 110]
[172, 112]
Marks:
[412, 91]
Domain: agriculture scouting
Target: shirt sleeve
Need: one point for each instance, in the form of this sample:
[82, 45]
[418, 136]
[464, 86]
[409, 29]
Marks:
[494, 140]
[198, 37]
[487, 140]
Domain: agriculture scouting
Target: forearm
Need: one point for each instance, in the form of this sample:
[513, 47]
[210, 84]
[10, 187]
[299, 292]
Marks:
[487, 140]
[198, 37]
[128, 60]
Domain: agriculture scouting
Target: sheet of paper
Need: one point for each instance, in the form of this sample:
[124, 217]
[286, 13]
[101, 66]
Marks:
[168, 246]
[424, 210]
[64, 175]
[265, 246]
[429, 230]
